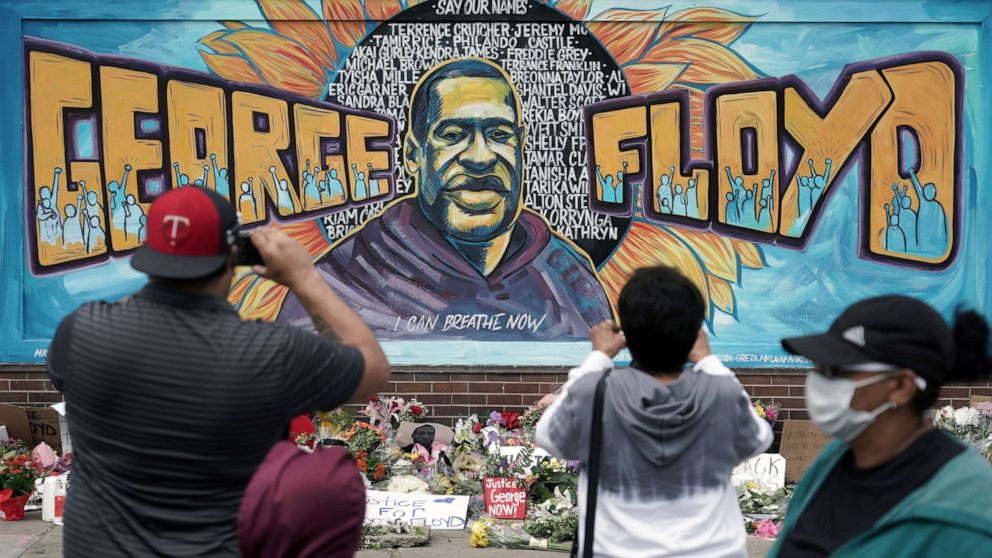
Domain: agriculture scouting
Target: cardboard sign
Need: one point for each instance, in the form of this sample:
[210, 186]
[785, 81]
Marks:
[437, 512]
[33, 425]
[802, 441]
[513, 451]
[980, 399]
[767, 468]
[503, 498]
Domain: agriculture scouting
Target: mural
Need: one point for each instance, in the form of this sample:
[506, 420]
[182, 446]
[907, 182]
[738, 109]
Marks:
[478, 177]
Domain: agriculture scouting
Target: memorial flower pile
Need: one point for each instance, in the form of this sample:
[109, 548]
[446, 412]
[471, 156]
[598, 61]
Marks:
[972, 424]
[487, 532]
[389, 412]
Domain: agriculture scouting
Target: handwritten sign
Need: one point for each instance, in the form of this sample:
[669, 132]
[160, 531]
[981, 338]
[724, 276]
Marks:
[436, 512]
[513, 451]
[503, 498]
[767, 468]
[802, 441]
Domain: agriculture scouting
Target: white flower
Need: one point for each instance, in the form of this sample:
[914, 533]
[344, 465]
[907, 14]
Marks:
[946, 412]
[966, 416]
[407, 484]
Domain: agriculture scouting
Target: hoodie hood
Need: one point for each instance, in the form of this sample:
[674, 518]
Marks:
[662, 420]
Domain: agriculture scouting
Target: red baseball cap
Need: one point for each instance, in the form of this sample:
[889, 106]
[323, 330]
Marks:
[190, 234]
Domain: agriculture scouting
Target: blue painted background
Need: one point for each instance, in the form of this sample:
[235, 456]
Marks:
[798, 292]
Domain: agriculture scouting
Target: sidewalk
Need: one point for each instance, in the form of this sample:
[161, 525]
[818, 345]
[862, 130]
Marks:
[33, 537]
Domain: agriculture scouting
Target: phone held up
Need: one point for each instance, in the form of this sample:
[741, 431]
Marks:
[247, 252]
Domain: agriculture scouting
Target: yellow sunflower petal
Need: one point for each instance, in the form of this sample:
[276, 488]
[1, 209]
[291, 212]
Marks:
[256, 298]
[282, 62]
[716, 252]
[294, 19]
[749, 254]
[309, 235]
[577, 9]
[647, 245]
[231, 67]
[234, 24]
[712, 24]
[623, 35]
[708, 62]
[722, 295]
[346, 18]
[381, 10]
[648, 78]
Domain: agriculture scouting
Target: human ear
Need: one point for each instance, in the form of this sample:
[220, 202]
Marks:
[906, 388]
[411, 155]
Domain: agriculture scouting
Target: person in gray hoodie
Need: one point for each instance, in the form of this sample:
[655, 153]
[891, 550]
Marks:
[670, 437]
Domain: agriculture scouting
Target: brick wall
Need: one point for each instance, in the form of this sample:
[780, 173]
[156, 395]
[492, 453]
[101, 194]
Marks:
[456, 392]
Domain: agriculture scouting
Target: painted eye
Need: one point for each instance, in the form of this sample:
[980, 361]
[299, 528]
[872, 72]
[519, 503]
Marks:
[500, 135]
[452, 135]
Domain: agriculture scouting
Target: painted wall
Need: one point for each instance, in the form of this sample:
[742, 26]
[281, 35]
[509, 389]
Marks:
[480, 177]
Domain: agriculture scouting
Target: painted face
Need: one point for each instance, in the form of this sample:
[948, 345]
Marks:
[469, 165]
[95, 222]
[930, 191]
[730, 196]
[130, 199]
[334, 173]
[678, 188]
[45, 192]
[244, 187]
[763, 203]
[749, 195]
[143, 220]
[91, 198]
[46, 203]
[70, 210]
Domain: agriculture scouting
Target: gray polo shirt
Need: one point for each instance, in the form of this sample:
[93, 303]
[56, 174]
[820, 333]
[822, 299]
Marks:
[173, 402]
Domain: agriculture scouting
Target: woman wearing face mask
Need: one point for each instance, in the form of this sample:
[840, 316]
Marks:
[890, 485]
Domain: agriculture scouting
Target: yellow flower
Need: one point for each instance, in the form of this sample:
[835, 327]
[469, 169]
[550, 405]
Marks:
[751, 485]
[760, 410]
[480, 534]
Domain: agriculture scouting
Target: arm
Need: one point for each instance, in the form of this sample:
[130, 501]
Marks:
[771, 179]
[916, 182]
[179, 182]
[730, 177]
[288, 263]
[826, 173]
[812, 170]
[607, 340]
[599, 175]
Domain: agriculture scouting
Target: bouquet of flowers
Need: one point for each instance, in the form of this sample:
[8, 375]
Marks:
[767, 411]
[518, 468]
[18, 473]
[372, 465]
[333, 424]
[970, 424]
[391, 411]
[488, 532]
[553, 476]
[555, 519]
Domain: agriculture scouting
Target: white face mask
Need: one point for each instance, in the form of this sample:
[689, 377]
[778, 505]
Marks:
[829, 403]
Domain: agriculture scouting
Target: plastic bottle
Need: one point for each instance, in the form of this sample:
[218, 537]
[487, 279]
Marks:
[48, 489]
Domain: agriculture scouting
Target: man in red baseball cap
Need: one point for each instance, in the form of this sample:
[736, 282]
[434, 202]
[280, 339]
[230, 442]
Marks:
[175, 401]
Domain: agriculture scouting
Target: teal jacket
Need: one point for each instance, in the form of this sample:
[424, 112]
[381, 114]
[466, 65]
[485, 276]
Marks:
[949, 516]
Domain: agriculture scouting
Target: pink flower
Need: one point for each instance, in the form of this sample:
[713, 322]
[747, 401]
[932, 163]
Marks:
[771, 413]
[767, 529]
[546, 401]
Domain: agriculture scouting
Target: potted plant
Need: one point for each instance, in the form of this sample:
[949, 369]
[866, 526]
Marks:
[17, 476]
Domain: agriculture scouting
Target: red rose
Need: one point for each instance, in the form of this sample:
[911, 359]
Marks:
[511, 420]
[417, 410]
[477, 427]
[374, 399]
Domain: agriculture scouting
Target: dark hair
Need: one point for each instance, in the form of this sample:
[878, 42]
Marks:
[661, 312]
[973, 361]
[423, 111]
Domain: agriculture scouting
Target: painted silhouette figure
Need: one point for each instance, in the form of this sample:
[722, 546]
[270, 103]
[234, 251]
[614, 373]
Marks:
[678, 202]
[246, 200]
[691, 201]
[361, 189]
[142, 227]
[72, 228]
[202, 181]
[733, 213]
[335, 188]
[49, 219]
[737, 185]
[283, 199]
[817, 182]
[118, 195]
[94, 232]
[665, 190]
[312, 195]
[765, 212]
[182, 180]
[903, 206]
[133, 215]
[931, 220]
[611, 191]
[221, 185]
[895, 238]
[748, 208]
[374, 189]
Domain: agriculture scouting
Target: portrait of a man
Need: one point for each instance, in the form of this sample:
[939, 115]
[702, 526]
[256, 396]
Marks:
[464, 244]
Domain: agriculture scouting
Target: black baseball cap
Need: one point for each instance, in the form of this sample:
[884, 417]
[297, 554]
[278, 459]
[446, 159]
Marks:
[894, 329]
[190, 234]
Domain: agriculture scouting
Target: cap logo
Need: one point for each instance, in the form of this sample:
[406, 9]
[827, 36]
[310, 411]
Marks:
[175, 228]
[855, 335]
